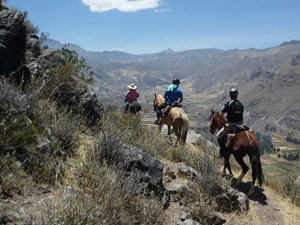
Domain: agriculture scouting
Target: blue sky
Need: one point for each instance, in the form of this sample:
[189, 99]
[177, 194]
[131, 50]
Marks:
[148, 26]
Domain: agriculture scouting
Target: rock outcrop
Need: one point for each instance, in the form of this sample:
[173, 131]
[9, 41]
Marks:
[12, 40]
[232, 200]
[150, 169]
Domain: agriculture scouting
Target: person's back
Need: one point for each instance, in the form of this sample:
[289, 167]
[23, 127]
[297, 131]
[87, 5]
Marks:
[132, 95]
[172, 94]
[234, 110]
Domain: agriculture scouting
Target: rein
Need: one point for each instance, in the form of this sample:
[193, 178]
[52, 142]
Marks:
[212, 124]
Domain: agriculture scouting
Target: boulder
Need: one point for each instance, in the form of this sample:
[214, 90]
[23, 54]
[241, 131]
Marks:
[150, 169]
[232, 200]
[217, 219]
[12, 40]
[86, 102]
[33, 45]
[185, 170]
[190, 222]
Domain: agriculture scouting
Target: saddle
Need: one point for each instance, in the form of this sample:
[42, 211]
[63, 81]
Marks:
[165, 111]
[234, 130]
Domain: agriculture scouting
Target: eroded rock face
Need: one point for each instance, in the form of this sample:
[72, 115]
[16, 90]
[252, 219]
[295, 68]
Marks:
[132, 159]
[86, 102]
[12, 40]
[232, 200]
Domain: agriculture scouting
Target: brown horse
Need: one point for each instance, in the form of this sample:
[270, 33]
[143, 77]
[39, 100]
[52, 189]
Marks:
[176, 118]
[244, 143]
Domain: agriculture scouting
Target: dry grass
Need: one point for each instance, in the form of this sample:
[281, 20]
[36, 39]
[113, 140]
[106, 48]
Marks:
[107, 196]
[287, 186]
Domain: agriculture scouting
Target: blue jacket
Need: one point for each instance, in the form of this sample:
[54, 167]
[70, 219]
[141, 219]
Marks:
[173, 96]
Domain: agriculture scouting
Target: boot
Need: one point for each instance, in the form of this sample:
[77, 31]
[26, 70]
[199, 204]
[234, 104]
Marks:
[221, 142]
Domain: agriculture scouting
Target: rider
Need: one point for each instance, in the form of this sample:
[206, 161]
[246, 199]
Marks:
[234, 110]
[172, 94]
[131, 95]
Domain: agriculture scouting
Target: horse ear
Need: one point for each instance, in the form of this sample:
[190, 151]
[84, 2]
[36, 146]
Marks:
[212, 111]
[155, 95]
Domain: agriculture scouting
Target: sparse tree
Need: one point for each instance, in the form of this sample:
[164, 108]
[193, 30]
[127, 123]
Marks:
[44, 37]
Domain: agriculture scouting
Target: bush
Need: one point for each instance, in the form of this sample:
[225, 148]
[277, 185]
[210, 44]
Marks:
[30, 27]
[82, 70]
[106, 196]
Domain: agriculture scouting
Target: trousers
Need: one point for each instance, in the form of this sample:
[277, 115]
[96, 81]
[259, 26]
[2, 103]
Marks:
[225, 130]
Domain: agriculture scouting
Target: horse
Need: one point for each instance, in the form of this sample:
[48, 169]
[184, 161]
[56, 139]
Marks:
[244, 143]
[134, 107]
[176, 118]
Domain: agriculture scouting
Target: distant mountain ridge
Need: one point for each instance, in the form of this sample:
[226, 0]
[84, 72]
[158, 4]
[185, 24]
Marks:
[268, 79]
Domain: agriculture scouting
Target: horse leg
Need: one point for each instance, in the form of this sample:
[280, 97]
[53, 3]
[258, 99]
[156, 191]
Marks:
[177, 133]
[227, 165]
[254, 176]
[245, 168]
[169, 133]
[159, 127]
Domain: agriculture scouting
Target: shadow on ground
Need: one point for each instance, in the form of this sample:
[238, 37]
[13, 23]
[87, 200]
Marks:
[258, 196]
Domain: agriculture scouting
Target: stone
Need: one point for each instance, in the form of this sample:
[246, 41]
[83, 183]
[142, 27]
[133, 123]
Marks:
[218, 219]
[185, 170]
[170, 173]
[34, 46]
[191, 222]
[232, 200]
[12, 40]
[44, 145]
[86, 102]
[150, 169]
[4, 219]
[183, 217]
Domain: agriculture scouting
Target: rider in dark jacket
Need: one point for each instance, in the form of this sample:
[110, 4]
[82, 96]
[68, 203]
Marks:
[234, 110]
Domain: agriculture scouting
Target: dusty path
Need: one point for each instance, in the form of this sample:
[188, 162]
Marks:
[266, 208]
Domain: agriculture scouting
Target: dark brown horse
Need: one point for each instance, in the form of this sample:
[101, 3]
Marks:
[244, 143]
[176, 118]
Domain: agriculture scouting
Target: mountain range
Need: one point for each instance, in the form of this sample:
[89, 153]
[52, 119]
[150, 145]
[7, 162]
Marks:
[268, 80]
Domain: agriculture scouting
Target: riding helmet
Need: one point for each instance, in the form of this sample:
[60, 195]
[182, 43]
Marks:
[233, 92]
[176, 81]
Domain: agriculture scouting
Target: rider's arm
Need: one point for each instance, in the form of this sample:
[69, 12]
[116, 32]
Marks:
[181, 97]
[225, 108]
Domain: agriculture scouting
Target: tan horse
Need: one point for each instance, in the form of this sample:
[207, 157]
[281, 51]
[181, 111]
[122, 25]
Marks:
[244, 143]
[176, 118]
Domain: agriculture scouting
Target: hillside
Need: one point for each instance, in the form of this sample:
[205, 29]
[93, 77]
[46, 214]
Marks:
[68, 156]
[268, 80]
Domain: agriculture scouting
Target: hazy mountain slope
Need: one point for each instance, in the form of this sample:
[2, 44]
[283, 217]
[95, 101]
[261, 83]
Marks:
[268, 79]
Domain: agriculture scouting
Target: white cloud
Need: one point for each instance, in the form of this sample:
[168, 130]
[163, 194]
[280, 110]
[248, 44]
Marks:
[163, 10]
[122, 5]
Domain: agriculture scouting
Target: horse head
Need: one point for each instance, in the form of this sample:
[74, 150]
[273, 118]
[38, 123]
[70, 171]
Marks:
[216, 121]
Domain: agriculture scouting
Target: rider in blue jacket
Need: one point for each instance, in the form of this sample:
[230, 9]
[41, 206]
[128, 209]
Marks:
[172, 94]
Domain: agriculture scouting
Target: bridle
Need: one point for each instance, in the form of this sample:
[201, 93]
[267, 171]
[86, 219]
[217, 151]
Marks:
[211, 122]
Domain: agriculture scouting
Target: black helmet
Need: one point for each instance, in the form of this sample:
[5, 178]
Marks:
[176, 81]
[233, 92]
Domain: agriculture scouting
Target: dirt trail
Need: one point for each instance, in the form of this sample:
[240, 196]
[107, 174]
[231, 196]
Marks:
[267, 208]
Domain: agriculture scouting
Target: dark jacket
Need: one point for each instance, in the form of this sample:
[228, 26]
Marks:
[234, 110]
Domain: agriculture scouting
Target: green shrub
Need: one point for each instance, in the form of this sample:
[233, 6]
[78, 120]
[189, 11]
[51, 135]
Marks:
[82, 70]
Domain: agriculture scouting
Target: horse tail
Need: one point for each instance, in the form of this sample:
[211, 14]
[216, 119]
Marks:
[185, 128]
[256, 165]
